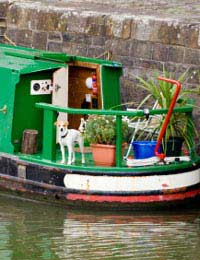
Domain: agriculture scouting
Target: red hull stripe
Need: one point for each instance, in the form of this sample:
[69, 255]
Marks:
[133, 199]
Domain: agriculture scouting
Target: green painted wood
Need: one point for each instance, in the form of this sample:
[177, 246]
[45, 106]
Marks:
[49, 136]
[110, 86]
[52, 57]
[118, 141]
[108, 63]
[186, 109]
[8, 81]
[88, 167]
[26, 60]
[25, 114]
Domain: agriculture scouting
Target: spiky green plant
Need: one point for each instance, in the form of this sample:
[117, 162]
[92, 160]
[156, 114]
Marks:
[181, 124]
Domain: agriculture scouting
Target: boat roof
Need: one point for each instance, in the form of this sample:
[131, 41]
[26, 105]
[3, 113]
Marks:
[27, 60]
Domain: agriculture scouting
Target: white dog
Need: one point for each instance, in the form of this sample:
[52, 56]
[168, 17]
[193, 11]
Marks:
[68, 137]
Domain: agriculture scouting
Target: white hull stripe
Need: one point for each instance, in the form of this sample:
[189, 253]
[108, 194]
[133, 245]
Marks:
[131, 183]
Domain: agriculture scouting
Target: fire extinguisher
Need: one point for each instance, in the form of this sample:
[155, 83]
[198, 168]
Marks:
[94, 85]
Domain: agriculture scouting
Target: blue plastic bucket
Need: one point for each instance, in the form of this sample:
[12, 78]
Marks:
[144, 149]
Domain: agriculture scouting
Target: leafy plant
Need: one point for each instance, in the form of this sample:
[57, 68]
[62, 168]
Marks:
[181, 124]
[102, 129]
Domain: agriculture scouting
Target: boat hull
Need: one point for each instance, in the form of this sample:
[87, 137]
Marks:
[109, 190]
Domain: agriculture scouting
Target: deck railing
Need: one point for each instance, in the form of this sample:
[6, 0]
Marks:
[50, 114]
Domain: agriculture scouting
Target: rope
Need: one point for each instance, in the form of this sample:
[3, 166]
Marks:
[107, 53]
[8, 39]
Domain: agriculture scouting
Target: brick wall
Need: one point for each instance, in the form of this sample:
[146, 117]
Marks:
[3, 14]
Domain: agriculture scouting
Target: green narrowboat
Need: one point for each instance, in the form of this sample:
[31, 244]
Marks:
[39, 88]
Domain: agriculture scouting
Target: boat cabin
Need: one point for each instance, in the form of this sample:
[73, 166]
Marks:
[32, 76]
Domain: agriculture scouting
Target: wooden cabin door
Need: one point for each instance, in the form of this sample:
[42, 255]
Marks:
[60, 91]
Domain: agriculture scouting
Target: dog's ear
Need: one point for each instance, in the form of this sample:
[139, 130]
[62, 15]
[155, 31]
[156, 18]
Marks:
[66, 124]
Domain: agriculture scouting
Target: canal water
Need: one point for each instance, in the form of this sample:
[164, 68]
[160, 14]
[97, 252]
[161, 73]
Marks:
[31, 230]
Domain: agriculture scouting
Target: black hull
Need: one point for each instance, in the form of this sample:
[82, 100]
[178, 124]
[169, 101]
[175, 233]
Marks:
[43, 183]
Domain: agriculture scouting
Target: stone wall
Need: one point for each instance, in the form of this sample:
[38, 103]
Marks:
[143, 36]
[3, 15]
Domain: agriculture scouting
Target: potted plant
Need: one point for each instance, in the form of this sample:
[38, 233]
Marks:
[100, 132]
[181, 127]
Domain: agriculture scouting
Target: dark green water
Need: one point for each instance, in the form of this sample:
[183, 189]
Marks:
[30, 230]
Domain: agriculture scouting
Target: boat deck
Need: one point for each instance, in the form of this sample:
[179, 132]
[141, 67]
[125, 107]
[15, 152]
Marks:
[89, 165]
[89, 162]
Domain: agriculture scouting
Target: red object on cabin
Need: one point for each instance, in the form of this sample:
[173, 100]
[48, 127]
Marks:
[94, 85]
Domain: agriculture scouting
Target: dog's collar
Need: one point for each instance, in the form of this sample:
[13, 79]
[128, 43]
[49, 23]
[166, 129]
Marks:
[63, 136]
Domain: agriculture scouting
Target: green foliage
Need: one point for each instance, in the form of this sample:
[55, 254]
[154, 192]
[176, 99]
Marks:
[181, 124]
[102, 129]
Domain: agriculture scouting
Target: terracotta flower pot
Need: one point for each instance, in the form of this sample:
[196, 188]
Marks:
[104, 154]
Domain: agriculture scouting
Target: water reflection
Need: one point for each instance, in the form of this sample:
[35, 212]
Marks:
[30, 230]
[136, 236]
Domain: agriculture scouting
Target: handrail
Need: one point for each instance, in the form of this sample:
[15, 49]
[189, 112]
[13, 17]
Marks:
[167, 118]
[185, 109]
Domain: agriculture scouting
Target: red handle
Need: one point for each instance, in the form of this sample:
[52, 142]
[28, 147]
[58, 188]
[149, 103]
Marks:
[167, 118]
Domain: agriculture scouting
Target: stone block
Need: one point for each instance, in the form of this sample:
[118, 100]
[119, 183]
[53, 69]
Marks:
[48, 21]
[73, 27]
[120, 47]
[22, 18]
[176, 54]
[133, 29]
[141, 49]
[24, 38]
[124, 60]
[55, 36]
[95, 51]
[160, 52]
[3, 9]
[178, 34]
[2, 30]
[2, 40]
[95, 30]
[168, 34]
[126, 29]
[189, 36]
[97, 40]
[172, 68]
[12, 34]
[68, 37]
[114, 27]
[54, 46]
[147, 64]
[192, 56]
[118, 27]
[108, 27]
[194, 77]
[143, 30]
[68, 50]
[76, 38]
[80, 49]
[40, 40]
[14, 15]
